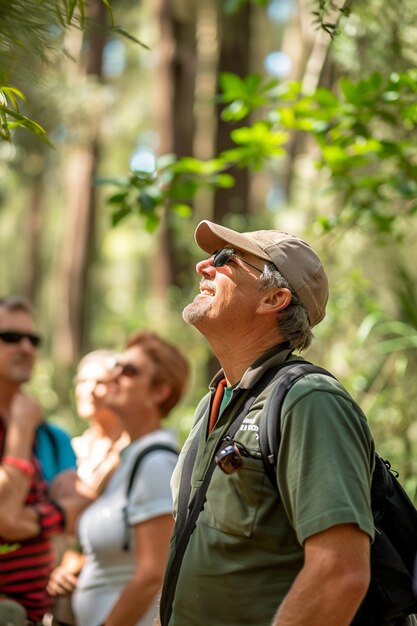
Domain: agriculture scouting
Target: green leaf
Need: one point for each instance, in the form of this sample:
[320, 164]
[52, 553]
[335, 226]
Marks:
[118, 198]
[109, 10]
[349, 90]
[22, 120]
[151, 222]
[232, 86]
[184, 189]
[235, 112]
[9, 93]
[4, 128]
[124, 33]
[225, 181]
[326, 98]
[260, 134]
[390, 96]
[70, 9]
[147, 202]
[120, 214]
[188, 165]
[361, 146]
[183, 210]
[334, 154]
[140, 180]
[374, 81]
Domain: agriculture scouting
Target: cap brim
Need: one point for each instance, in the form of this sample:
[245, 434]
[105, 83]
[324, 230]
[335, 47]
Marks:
[210, 237]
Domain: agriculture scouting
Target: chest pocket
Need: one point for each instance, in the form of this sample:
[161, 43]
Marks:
[233, 501]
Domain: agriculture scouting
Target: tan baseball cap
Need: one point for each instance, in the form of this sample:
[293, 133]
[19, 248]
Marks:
[293, 258]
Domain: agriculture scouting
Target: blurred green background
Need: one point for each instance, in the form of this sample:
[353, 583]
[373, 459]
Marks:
[280, 113]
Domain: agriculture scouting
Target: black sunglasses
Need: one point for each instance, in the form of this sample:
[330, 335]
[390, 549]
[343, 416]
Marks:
[229, 458]
[14, 336]
[223, 256]
[127, 369]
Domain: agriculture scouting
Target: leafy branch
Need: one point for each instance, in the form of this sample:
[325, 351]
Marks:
[11, 117]
[29, 28]
[365, 133]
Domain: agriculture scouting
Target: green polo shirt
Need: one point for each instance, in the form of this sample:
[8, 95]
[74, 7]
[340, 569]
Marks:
[247, 547]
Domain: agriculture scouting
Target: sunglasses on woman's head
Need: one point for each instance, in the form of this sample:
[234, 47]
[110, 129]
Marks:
[223, 256]
[14, 336]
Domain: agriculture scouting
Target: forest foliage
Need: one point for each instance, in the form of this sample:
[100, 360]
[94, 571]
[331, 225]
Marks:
[364, 132]
[329, 151]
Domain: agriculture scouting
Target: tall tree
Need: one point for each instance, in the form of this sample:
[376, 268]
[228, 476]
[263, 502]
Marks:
[235, 36]
[174, 110]
[78, 242]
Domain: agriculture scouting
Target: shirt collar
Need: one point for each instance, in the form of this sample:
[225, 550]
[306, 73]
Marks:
[271, 358]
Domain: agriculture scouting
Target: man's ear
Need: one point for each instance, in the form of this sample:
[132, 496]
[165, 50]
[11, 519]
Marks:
[273, 301]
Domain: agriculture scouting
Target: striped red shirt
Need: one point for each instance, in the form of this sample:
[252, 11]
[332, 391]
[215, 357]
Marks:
[25, 565]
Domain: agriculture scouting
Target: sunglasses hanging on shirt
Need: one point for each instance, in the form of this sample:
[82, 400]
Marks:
[229, 458]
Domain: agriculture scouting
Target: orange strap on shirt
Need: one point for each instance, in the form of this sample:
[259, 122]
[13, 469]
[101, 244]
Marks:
[217, 400]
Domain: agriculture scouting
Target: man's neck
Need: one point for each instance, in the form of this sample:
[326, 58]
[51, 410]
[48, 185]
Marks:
[7, 393]
[236, 357]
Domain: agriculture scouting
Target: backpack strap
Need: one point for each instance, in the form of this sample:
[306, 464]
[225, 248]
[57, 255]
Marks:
[187, 470]
[270, 424]
[190, 511]
[135, 467]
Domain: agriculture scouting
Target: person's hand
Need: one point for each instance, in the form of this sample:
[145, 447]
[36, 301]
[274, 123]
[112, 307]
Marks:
[61, 582]
[25, 412]
[24, 417]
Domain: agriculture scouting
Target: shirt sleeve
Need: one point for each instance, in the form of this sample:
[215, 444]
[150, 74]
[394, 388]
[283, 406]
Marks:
[151, 492]
[325, 462]
[54, 451]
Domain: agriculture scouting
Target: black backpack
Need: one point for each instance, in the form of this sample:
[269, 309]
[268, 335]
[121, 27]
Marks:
[390, 598]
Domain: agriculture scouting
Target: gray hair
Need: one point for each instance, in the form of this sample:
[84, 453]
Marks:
[16, 303]
[293, 323]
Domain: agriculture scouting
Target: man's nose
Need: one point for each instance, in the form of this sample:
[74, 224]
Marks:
[27, 345]
[206, 267]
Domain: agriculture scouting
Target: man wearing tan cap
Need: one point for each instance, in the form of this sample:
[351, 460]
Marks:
[255, 555]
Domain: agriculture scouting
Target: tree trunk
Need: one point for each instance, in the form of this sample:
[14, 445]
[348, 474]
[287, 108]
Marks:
[33, 225]
[234, 56]
[174, 102]
[79, 234]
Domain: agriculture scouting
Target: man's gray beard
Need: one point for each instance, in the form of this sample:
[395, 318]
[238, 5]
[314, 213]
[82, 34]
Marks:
[194, 312]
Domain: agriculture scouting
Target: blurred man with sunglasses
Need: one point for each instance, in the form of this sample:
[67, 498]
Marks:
[299, 557]
[35, 462]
